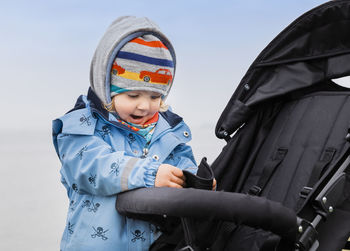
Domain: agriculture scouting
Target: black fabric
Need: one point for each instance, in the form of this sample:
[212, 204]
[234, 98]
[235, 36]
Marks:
[239, 208]
[306, 126]
[204, 178]
[303, 120]
[236, 113]
[268, 171]
[270, 244]
[311, 50]
[321, 165]
[242, 149]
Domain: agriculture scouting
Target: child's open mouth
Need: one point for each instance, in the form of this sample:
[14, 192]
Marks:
[136, 117]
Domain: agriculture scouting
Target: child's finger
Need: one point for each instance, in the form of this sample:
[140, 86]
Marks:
[177, 180]
[172, 184]
[177, 172]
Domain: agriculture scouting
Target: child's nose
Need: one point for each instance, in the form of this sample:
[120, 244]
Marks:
[143, 104]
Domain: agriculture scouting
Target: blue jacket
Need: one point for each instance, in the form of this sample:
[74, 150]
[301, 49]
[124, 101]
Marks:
[101, 158]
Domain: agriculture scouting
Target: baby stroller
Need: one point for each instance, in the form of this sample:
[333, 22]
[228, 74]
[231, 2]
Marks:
[284, 176]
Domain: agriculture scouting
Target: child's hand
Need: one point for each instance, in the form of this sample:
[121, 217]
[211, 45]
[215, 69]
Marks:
[169, 176]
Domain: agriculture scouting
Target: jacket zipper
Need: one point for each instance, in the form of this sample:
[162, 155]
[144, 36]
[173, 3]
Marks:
[145, 149]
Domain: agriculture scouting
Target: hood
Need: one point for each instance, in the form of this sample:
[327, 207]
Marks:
[121, 31]
[311, 51]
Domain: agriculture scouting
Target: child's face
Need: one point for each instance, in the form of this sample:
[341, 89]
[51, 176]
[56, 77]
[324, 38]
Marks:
[137, 106]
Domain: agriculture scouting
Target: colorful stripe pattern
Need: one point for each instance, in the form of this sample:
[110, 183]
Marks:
[145, 59]
[144, 63]
[146, 130]
[148, 43]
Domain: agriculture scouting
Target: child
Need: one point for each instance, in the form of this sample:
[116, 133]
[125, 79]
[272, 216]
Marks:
[120, 137]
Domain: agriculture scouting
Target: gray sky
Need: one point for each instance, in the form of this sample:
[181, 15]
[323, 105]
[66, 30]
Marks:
[46, 48]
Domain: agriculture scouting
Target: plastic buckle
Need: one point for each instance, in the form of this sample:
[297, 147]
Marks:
[305, 191]
[254, 190]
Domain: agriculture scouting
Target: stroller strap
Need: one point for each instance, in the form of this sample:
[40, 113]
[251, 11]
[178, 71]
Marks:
[268, 171]
[321, 165]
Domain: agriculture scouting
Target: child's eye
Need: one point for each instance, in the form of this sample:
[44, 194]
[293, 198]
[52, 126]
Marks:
[133, 95]
[155, 97]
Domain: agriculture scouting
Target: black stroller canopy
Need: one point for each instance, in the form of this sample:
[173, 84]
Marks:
[312, 49]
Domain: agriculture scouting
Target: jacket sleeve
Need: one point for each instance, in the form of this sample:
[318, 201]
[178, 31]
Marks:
[182, 157]
[89, 165]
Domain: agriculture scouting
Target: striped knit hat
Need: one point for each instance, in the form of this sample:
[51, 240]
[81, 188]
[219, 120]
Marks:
[142, 64]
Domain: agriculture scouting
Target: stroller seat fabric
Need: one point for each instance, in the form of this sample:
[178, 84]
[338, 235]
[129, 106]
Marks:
[306, 136]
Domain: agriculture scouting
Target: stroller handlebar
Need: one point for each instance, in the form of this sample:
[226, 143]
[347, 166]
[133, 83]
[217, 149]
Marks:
[243, 209]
